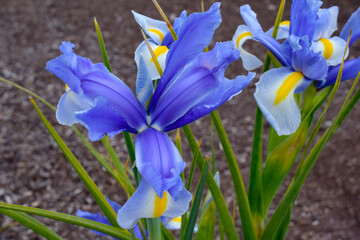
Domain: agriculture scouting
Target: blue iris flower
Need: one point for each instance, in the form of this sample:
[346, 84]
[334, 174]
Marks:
[192, 85]
[309, 54]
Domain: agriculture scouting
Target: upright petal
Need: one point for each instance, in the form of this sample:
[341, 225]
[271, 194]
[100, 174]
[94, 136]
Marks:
[352, 23]
[326, 24]
[218, 58]
[249, 60]
[145, 203]
[154, 28]
[159, 161]
[274, 95]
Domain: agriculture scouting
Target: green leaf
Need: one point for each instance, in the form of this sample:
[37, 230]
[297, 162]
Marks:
[102, 46]
[207, 222]
[242, 200]
[110, 230]
[89, 183]
[196, 204]
[284, 227]
[31, 223]
[192, 168]
[219, 200]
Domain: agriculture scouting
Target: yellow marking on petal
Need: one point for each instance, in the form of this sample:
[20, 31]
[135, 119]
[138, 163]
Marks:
[287, 86]
[159, 50]
[177, 219]
[328, 47]
[157, 32]
[241, 36]
[160, 205]
[66, 86]
[286, 23]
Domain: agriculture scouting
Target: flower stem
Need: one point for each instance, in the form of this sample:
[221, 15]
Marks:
[154, 228]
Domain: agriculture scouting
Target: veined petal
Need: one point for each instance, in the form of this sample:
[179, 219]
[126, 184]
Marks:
[283, 30]
[331, 49]
[159, 161]
[218, 59]
[326, 24]
[350, 71]
[194, 36]
[144, 85]
[249, 60]
[145, 203]
[102, 119]
[160, 52]
[274, 95]
[70, 103]
[352, 23]
[153, 28]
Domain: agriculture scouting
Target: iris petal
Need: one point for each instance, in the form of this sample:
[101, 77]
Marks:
[326, 24]
[352, 23]
[159, 161]
[144, 85]
[332, 49]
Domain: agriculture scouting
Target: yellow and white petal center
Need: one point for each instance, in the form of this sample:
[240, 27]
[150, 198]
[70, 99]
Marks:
[328, 47]
[160, 205]
[157, 32]
[287, 86]
[241, 37]
[159, 51]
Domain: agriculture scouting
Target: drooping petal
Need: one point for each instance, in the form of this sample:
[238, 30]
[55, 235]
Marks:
[332, 49]
[144, 203]
[144, 85]
[270, 43]
[218, 58]
[249, 60]
[160, 52]
[274, 95]
[283, 30]
[159, 161]
[103, 119]
[303, 17]
[352, 23]
[70, 103]
[326, 24]
[155, 29]
[194, 36]
[350, 71]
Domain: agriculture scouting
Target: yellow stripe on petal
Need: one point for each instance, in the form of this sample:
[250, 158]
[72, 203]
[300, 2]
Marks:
[159, 50]
[160, 205]
[157, 32]
[286, 23]
[328, 47]
[177, 219]
[241, 36]
[286, 87]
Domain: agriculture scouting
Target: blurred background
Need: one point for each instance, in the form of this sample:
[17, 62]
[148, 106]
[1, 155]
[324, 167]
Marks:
[34, 172]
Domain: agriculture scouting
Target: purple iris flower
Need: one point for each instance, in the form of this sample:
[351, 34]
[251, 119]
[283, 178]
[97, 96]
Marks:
[192, 85]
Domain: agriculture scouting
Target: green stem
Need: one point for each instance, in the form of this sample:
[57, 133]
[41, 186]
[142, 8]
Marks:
[154, 228]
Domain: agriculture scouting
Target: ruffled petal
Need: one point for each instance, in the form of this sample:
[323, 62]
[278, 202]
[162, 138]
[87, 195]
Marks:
[144, 203]
[352, 23]
[70, 103]
[326, 24]
[155, 29]
[249, 60]
[274, 95]
[331, 49]
[103, 119]
[283, 30]
[161, 53]
[144, 85]
[159, 161]
[218, 59]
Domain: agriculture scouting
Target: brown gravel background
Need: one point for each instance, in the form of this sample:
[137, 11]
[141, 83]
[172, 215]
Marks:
[33, 171]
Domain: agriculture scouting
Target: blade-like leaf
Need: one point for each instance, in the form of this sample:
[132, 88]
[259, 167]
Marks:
[206, 228]
[192, 167]
[31, 223]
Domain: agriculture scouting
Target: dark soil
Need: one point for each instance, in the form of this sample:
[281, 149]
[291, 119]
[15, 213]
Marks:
[34, 172]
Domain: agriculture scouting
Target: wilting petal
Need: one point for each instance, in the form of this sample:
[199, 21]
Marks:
[153, 28]
[102, 119]
[332, 49]
[218, 58]
[160, 52]
[283, 30]
[159, 161]
[144, 85]
[350, 71]
[275, 97]
[352, 23]
[326, 24]
[144, 203]
[249, 60]
[70, 103]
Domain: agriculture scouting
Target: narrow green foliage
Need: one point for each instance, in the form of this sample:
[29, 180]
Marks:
[102, 46]
[110, 230]
[165, 233]
[242, 199]
[212, 146]
[284, 227]
[196, 204]
[207, 222]
[89, 183]
[193, 164]
[31, 223]
[219, 200]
